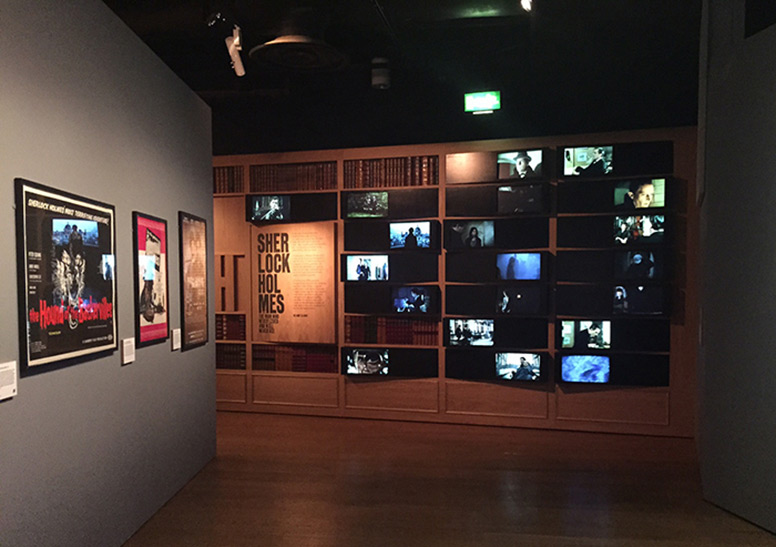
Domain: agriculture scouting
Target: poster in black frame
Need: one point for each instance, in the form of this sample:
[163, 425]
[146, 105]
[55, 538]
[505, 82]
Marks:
[150, 248]
[192, 231]
[65, 277]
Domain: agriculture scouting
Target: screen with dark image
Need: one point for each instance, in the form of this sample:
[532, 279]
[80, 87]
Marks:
[468, 234]
[640, 264]
[638, 300]
[269, 208]
[519, 266]
[366, 361]
[586, 334]
[641, 229]
[470, 332]
[528, 198]
[366, 268]
[521, 299]
[410, 235]
[521, 164]
[587, 369]
[412, 299]
[588, 161]
[639, 194]
[518, 366]
[367, 205]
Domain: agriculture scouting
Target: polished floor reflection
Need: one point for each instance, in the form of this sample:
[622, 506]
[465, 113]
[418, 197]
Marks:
[304, 481]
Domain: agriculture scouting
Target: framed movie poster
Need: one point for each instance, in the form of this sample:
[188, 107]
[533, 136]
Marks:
[193, 260]
[151, 309]
[67, 288]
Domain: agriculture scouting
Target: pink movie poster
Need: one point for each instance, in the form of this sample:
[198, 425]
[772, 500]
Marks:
[151, 300]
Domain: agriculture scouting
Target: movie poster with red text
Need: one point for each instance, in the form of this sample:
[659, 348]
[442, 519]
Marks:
[66, 264]
[151, 309]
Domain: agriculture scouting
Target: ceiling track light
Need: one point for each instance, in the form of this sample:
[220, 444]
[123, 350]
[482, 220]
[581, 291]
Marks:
[527, 5]
[234, 46]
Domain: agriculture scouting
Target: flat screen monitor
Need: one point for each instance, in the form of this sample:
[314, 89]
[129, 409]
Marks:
[470, 332]
[519, 366]
[588, 161]
[639, 264]
[630, 195]
[366, 268]
[415, 299]
[468, 234]
[519, 266]
[367, 205]
[520, 164]
[410, 235]
[526, 299]
[526, 198]
[585, 369]
[586, 335]
[270, 208]
[371, 361]
[639, 229]
[638, 300]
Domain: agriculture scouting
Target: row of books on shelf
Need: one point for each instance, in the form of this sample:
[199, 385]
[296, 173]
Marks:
[230, 327]
[293, 176]
[294, 358]
[228, 179]
[231, 356]
[391, 172]
[368, 329]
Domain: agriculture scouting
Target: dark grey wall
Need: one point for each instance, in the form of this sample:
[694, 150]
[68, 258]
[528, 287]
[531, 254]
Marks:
[738, 352]
[89, 452]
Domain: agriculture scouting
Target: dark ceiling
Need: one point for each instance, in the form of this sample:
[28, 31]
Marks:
[567, 67]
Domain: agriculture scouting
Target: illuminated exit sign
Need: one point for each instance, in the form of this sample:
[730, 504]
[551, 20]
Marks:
[484, 102]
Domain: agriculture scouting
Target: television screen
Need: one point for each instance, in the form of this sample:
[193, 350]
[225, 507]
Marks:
[640, 264]
[587, 369]
[367, 205]
[410, 235]
[468, 234]
[520, 266]
[588, 161]
[586, 334]
[518, 366]
[271, 208]
[366, 361]
[639, 194]
[638, 299]
[528, 198]
[522, 164]
[520, 299]
[366, 268]
[411, 299]
[470, 332]
[639, 229]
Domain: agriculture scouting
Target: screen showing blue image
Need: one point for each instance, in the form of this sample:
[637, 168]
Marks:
[367, 268]
[586, 369]
[410, 235]
[519, 266]
[68, 231]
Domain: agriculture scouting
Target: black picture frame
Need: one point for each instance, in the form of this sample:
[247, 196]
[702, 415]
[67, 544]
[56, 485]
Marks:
[192, 232]
[150, 249]
[66, 250]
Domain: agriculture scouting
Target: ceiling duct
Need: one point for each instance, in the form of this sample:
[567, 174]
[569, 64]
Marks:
[300, 45]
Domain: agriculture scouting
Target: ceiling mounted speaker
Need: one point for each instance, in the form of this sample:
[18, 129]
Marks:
[299, 52]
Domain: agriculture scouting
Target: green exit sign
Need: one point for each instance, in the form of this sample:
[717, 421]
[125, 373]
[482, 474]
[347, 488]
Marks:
[483, 102]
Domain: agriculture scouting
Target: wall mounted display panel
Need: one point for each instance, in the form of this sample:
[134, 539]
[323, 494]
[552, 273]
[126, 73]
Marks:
[389, 362]
[514, 299]
[491, 266]
[612, 231]
[416, 235]
[619, 160]
[379, 298]
[493, 200]
[293, 283]
[608, 196]
[394, 267]
[489, 364]
[391, 204]
[613, 369]
[269, 208]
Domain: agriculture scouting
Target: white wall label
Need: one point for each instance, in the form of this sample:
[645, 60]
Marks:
[127, 351]
[176, 339]
[8, 384]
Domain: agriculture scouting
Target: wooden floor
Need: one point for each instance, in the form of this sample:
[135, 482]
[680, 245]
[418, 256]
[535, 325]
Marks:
[302, 481]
